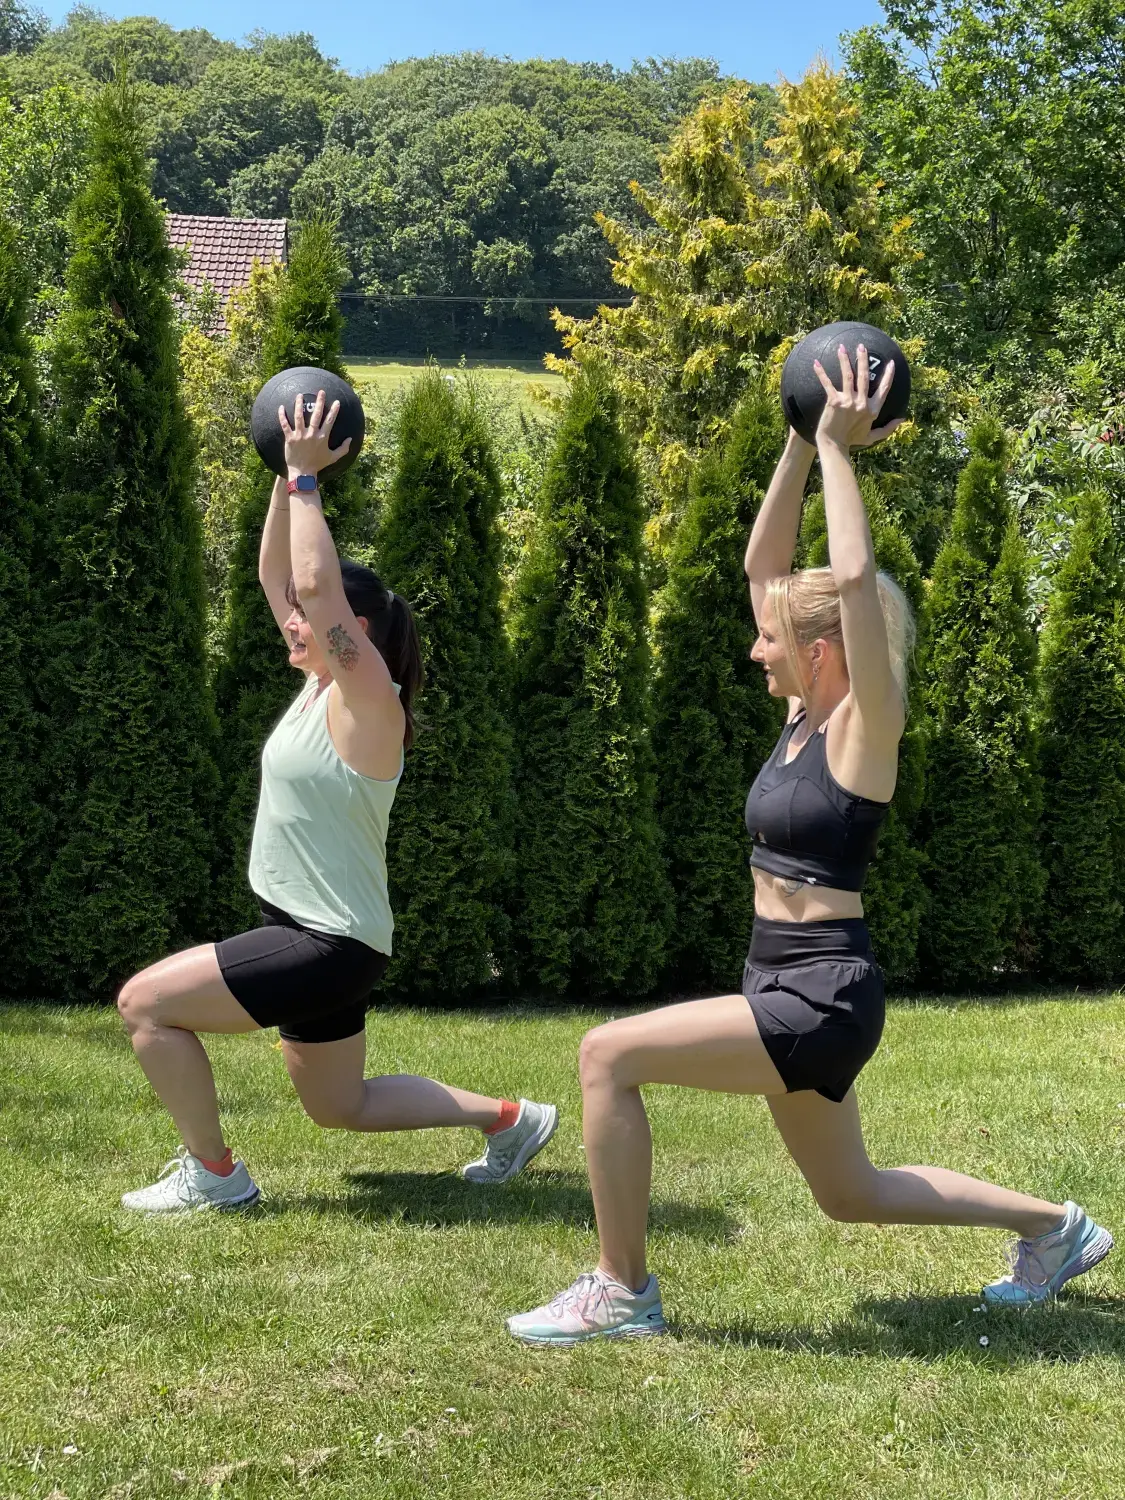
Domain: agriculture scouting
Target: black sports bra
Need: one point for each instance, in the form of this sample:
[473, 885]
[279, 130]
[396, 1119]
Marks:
[805, 826]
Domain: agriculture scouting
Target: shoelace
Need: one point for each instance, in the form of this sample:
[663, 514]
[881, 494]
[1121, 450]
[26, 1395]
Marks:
[580, 1292]
[502, 1156]
[177, 1167]
[1021, 1257]
[173, 1165]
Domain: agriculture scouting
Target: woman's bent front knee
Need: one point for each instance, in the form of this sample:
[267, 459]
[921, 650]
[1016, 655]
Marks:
[135, 1002]
[601, 1055]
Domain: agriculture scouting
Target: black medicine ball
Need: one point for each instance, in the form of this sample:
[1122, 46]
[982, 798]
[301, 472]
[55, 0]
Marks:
[802, 396]
[283, 390]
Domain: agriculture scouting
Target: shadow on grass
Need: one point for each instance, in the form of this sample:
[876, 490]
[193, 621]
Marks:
[932, 1328]
[440, 1199]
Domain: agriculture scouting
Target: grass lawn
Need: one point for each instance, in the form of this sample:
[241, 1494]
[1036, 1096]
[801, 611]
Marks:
[344, 1340]
[511, 381]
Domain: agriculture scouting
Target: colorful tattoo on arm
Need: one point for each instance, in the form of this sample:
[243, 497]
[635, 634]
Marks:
[341, 646]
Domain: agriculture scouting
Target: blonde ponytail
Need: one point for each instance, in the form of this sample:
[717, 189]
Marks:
[806, 605]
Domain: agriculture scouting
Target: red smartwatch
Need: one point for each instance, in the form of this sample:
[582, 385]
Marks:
[306, 483]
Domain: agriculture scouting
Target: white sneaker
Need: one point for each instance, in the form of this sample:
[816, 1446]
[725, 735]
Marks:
[509, 1151]
[1042, 1267]
[595, 1307]
[186, 1186]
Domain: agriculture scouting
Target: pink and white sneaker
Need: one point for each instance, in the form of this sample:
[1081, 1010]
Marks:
[594, 1307]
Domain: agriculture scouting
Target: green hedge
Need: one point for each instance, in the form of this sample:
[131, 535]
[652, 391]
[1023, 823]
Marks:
[1083, 753]
[984, 790]
[131, 738]
[450, 846]
[593, 906]
[24, 825]
[570, 821]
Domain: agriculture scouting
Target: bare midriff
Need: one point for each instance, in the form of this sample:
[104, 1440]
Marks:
[781, 900]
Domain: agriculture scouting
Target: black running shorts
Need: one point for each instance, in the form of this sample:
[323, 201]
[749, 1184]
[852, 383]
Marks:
[311, 985]
[817, 995]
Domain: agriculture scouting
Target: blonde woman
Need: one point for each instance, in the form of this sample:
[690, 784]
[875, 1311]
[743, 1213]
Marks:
[833, 642]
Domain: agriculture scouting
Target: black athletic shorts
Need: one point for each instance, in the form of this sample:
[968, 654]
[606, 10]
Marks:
[817, 996]
[311, 985]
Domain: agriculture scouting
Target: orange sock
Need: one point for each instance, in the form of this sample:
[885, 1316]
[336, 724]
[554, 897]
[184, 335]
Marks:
[221, 1168]
[509, 1114]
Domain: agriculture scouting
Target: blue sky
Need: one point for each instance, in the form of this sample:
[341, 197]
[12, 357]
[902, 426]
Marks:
[756, 39]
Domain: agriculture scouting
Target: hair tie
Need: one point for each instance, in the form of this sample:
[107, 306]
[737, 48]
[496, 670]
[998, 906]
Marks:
[390, 597]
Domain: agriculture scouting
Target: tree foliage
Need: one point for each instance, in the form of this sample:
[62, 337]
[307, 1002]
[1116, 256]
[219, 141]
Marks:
[984, 788]
[220, 360]
[1083, 753]
[42, 164]
[714, 721]
[132, 727]
[464, 175]
[23, 823]
[450, 845]
[592, 899]
[22, 27]
[996, 128]
[747, 243]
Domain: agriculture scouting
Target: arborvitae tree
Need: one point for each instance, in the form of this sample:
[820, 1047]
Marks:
[714, 722]
[983, 788]
[593, 900]
[894, 897]
[130, 754]
[750, 242]
[1083, 754]
[450, 847]
[254, 681]
[23, 840]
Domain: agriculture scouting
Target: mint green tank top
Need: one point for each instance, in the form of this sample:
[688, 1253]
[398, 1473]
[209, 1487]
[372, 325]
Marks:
[320, 837]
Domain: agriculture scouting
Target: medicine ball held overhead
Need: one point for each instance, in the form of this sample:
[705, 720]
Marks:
[283, 390]
[802, 395]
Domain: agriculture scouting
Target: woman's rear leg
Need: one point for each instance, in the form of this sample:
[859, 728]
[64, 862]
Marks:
[329, 1078]
[826, 1141]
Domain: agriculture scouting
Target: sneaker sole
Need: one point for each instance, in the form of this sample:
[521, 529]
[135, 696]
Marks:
[629, 1331]
[1092, 1253]
[227, 1206]
[530, 1148]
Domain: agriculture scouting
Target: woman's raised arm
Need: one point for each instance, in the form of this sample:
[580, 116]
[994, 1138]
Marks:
[773, 538]
[845, 424]
[274, 563]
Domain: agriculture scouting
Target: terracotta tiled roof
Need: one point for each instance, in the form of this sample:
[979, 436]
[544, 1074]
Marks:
[223, 250]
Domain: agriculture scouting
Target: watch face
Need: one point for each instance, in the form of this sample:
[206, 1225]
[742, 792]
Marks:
[306, 481]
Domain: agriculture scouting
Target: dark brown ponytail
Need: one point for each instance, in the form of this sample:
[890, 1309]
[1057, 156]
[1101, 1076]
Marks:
[392, 630]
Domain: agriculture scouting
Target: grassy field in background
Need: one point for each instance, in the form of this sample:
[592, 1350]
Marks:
[345, 1339]
[510, 381]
